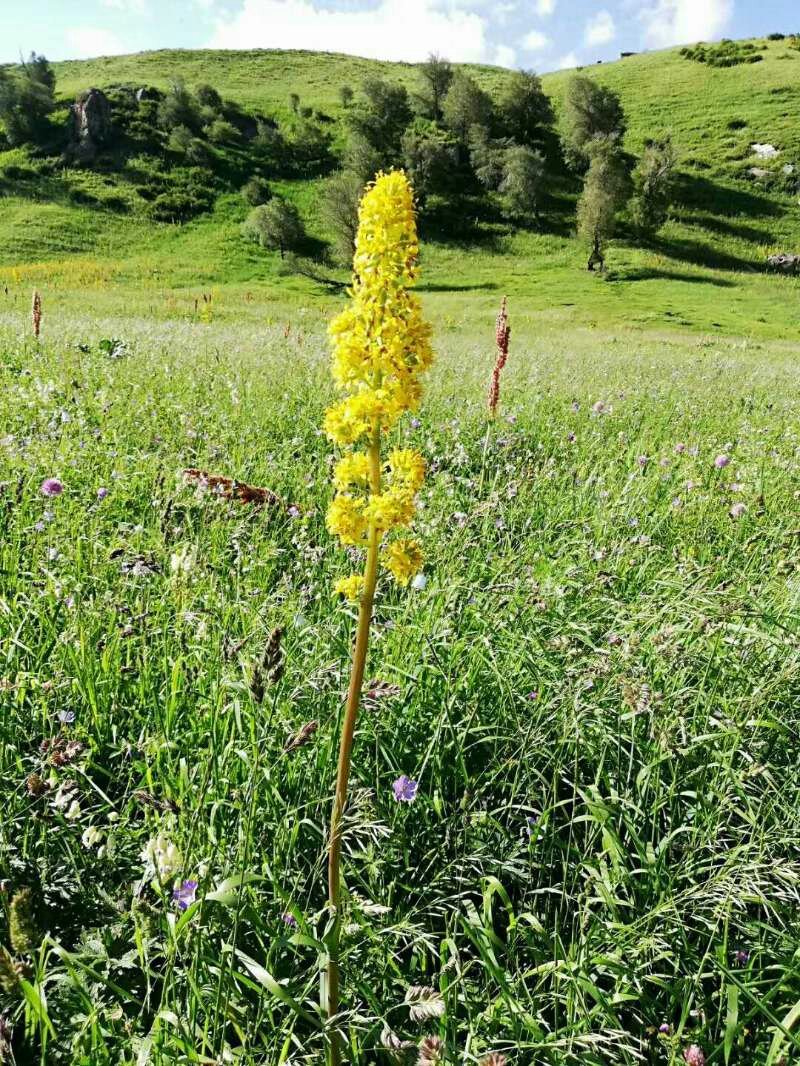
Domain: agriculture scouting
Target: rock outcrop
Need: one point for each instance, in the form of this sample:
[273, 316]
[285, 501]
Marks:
[784, 263]
[90, 117]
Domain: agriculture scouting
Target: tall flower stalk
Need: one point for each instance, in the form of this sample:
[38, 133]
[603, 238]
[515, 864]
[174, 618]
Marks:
[36, 313]
[381, 346]
[502, 337]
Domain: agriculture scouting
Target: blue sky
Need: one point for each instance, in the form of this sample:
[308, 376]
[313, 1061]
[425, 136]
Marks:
[537, 34]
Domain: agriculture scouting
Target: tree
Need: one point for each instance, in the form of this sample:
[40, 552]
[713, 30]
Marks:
[340, 201]
[309, 147]
[605, 190]
[256, 191]
[382, 118]
[436, 74]
[487, 156]
[525, 111]
[27, 97]
[361, 158]
[523, 183]
[346, 95]
[275, 225]
[430, 156]
[590, 111]
[271, 146]
[652, 187]
[466, 105]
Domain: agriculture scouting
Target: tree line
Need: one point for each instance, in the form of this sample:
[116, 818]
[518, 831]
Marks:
[458, 145]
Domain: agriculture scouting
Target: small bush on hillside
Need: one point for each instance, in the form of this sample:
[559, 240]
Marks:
[725, 54]
[256, 191]
[487, 156]
[361, 158]
[345, 95]
[222, 132]
[27, 98]
[207, 96]
[381, 118]
[308, 149]
[179, 108]
[276, 225]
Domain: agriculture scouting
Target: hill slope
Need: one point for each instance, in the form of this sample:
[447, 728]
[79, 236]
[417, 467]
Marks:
[725, 221]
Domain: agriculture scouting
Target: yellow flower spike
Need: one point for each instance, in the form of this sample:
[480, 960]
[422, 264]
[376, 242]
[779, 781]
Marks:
[404, 559]
[381, 346]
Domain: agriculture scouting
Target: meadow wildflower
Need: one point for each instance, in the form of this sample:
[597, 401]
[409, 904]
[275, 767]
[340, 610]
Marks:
[381, 346]
[102, 492]
[162, 858]
[51, 486]
[737, 510]
[405, 790]
[184, 896]
[289, 919]
[722, 461]
[693, 1055]
[36, 313]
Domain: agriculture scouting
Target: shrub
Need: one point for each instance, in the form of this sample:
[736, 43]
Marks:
[345, 95]
[222, 132]
[179, 109]
[275, 225]
[207, 96]
[26, 99]
[256, 191]
[487, 156]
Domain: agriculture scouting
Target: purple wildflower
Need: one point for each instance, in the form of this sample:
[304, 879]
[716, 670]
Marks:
[51, 486]
[533, 695]
[294, 511]
[530, 824]
[405, 790]
[665, 1028]
[102, 492]
[66, 717]
[415, 423]
[693, 1055]
[643, 460]
[741, 958]
[722, 461]
[185, 895]
[289, 919]
[680, 448]
[737, 510]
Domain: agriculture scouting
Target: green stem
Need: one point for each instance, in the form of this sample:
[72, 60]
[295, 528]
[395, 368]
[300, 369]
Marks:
[330, 994]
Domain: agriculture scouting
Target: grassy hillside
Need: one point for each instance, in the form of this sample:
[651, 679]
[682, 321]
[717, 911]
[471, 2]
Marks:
[705, 273]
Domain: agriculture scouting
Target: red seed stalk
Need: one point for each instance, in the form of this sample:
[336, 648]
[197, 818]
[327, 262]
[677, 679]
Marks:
[502, 335]
[36, 313]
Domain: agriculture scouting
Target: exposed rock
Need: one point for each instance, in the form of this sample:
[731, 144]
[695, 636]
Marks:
[147, 92]
[784, 263]
[765, 151]
[90, 117]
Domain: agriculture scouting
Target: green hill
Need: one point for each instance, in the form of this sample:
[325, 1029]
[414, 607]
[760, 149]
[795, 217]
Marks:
[68, 230]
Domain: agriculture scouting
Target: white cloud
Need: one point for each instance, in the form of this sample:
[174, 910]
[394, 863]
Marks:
[535, 41]
[504, 56]
[132, 7]
[670, 22]
[545, 7]
[600, 29]
[85, 42]
[395, 29]
[567, 62]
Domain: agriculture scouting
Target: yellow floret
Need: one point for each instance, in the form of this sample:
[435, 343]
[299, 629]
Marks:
[407, 468]
[352, 469]
[350, 587]
[404, 559]
[346, 519]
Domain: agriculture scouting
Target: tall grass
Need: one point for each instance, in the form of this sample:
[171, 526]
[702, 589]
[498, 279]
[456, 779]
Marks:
[596, 690]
